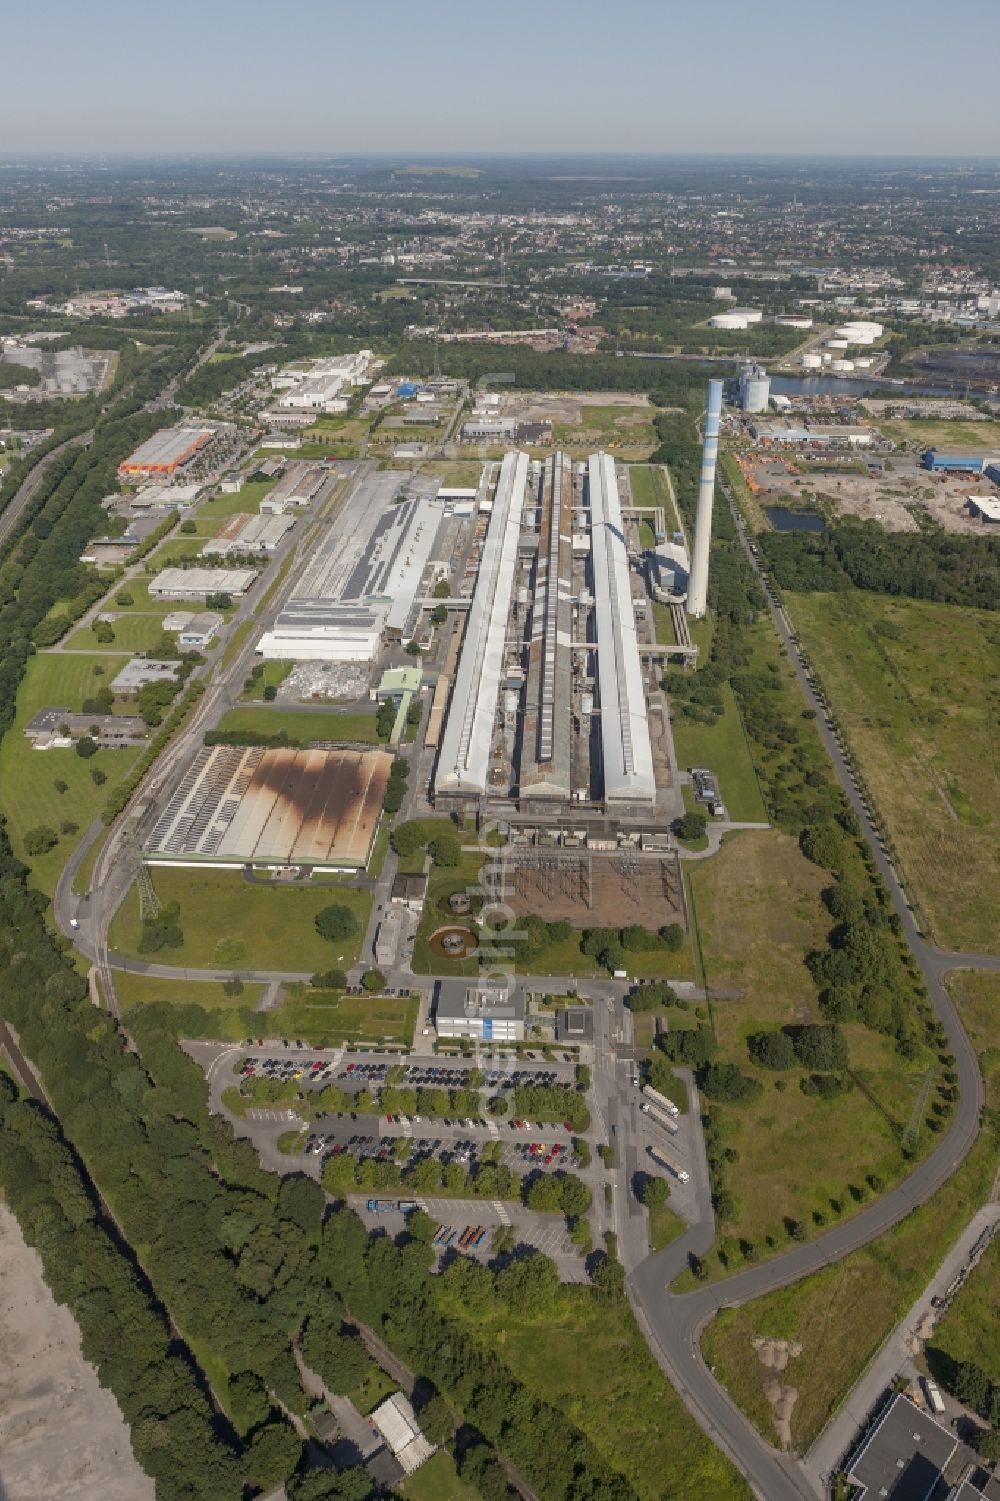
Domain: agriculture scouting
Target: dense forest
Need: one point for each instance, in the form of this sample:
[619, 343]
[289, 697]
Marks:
[924, 565]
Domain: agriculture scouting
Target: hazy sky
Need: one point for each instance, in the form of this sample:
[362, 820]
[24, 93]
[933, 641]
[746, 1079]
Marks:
[875, 77]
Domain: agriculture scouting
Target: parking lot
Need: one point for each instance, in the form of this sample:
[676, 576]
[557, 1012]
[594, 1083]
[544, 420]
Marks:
[547, 1147]
[545, 1232]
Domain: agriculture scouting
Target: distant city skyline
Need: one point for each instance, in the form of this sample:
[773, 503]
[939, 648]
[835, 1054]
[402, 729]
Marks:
[552, 76]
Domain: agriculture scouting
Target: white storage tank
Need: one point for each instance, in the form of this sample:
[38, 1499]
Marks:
[841, 366]
[811, 362]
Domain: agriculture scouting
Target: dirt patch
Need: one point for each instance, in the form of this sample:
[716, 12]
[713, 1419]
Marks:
[897, 498]
[452, 943]
[774, 1355]
[613, 891]
[62, 1435]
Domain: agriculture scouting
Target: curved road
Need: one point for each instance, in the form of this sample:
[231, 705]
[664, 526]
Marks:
[673, 1323]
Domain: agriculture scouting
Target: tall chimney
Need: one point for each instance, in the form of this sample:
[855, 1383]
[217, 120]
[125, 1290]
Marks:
[697, 599]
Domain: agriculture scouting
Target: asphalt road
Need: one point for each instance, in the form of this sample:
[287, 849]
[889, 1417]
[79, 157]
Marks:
[673, 1324]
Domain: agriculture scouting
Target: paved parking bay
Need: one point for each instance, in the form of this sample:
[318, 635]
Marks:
[545, 1232]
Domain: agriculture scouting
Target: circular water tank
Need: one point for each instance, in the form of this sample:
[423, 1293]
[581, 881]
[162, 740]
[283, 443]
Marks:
[811, 362]
[841, 366]
[728, 320]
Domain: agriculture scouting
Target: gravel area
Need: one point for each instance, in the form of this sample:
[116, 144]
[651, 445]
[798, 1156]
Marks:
[62, 1436]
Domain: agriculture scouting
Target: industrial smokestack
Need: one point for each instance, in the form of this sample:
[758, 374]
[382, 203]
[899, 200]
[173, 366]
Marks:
[697, 599]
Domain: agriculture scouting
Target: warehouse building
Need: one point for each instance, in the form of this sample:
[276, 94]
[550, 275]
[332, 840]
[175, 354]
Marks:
[296, 489]
[952, 463]
[197, 583]
[236, 806]
[464, 758]
[165, 452]
[255, 534]
[484, 1013]
[365, 581]
[489, 430]
[778, 431]
[627, 754]
[986, 507]
[904, 1455]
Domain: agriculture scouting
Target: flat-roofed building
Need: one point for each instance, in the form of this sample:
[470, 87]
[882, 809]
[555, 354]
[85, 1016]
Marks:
[464, 757]
[484, 1013]
[626, 751]
[165, 452]
[986, 507]
[198, 630]
[903, 1456]
[198, 583]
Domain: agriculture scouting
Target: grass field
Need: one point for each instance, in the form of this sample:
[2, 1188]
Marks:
[133, 632]
[663, 622]
[437, 1480]
[233, 924]
[651, 487]
[759, 913]
[142, 603]
[613, 427]
[136, 990]
[915, 686]
[28, 797]
[968, 1331]
[722, 746]
[304, 724]
[589, 1360]
[664, 1226]
[461, 474]
[842, 1315]
[326, 1019]
[956, 436]
[977, 996]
